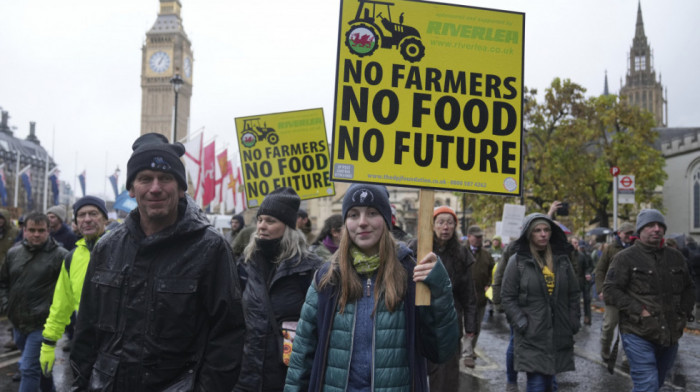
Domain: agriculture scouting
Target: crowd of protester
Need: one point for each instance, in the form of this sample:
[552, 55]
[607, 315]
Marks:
[164, 302]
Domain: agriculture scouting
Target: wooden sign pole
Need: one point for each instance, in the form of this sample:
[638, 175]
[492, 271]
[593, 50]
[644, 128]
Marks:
[425, 239]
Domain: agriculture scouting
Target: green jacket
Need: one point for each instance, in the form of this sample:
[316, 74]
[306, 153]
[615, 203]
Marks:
[652, 278]
[482, 271]
[544, 324]
[69, 287]
[602, 266]
[390, 361]
[27, 281]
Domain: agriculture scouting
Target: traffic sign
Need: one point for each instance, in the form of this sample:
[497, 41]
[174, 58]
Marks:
[626, 189]
[614, 170]
[627, 182]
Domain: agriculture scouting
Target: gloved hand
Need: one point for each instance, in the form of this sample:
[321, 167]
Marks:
[47, 358]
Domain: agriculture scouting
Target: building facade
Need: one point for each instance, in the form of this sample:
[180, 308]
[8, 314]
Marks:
[166, 56]
[24, 165]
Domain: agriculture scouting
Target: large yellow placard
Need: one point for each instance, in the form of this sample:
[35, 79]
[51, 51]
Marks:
[284, 149]
[429, 95]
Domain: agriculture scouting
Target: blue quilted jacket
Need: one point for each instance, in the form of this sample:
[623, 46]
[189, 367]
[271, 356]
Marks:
[403, 339]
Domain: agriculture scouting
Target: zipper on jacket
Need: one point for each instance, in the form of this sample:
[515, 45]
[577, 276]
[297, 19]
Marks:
[368, 288]
[352, 345]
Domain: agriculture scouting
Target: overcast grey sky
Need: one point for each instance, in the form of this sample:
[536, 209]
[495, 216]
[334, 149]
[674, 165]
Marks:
[74, 66]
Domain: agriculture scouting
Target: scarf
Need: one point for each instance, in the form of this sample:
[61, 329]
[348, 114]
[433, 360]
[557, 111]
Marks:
[328, 243]
[364, 265]
[269, 249]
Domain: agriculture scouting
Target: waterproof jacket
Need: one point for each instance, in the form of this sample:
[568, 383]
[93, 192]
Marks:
[69, 287]
[160, 312]
[27, 281]
[267, 305]
[544, 325]
[482, 271]
[458, 262]
[652, 278]
[402, 339]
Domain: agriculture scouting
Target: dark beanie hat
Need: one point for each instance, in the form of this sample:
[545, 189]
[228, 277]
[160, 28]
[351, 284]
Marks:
[283, 204]
[153, 152]
[366, 195]
[89, 200]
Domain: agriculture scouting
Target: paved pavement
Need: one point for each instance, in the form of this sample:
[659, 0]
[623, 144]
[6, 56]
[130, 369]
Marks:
[489, 374]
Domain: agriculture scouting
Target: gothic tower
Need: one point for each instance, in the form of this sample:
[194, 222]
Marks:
[641, 87]
[166, 58]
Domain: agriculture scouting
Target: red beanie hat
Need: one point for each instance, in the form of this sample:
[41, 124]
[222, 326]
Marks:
[445, 210]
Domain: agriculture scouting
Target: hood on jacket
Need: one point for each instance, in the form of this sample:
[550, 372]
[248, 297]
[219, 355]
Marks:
[558, 240]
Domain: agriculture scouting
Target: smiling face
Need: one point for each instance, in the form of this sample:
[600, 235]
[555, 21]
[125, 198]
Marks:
[365, 226]
[269, 227]
[539, 237]
[157, 194]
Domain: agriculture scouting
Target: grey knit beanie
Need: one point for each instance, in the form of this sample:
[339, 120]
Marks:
[59, 211]
[647, 216]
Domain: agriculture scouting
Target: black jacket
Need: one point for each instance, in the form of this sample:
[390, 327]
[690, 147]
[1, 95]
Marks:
[161, 312]
[27, 281]
[283, 296]
[65, 237]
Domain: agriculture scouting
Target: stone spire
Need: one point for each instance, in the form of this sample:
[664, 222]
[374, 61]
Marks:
[606, 91]
[640, 39]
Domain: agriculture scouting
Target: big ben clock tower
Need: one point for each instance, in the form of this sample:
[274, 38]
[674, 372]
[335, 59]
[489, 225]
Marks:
[167, 54]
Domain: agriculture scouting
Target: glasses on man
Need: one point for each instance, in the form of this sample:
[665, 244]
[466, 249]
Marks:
[444, 223]
[629, 232]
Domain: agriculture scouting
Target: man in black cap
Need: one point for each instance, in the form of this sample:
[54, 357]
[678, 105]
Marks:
[650, 285]
[161, 306]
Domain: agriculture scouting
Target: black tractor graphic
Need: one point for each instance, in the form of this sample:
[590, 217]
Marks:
[371, 29]
[253, 132]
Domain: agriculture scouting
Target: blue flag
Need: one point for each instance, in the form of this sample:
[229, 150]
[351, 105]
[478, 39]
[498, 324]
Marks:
[3, 188]
[27, 181]
[81, 178]
[125, 202]
[53, 179]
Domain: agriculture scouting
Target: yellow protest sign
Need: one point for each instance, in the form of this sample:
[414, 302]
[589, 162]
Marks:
[284, 149]
[429, 95]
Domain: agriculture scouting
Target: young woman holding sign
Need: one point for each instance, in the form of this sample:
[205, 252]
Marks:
[361, 308]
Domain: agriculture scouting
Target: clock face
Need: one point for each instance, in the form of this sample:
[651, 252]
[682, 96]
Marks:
[159, 62]
[188, 67]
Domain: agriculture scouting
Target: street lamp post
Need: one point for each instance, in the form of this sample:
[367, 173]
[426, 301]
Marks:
[177, 82]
